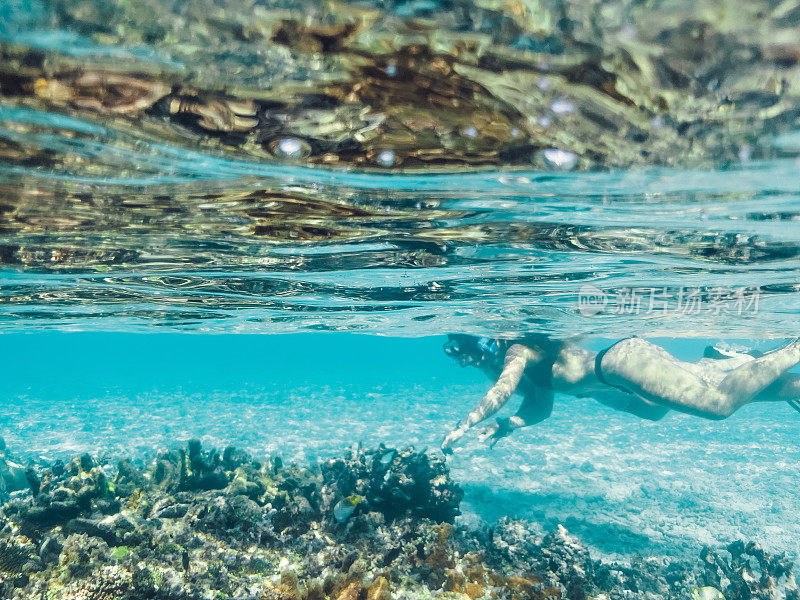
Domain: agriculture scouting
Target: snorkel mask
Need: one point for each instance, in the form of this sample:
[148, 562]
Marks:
[489, 347]
[470, 350]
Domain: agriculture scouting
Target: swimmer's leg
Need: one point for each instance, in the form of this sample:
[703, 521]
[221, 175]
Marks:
[516, 359]
[652, 373]
[631, 404]
[785, 388]
[534, 409]
[753, 377]
[644, 409]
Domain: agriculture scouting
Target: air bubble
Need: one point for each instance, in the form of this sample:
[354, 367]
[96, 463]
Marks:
[386, 158]
[628, 31]
[562, 107]
[745, 153]
[561, 160]
[290, 147]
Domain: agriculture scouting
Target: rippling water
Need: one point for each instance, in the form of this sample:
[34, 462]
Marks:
[394, 169]
[254, 247]
[595, 169]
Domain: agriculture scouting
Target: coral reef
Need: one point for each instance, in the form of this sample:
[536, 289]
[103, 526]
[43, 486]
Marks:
[395, 483]
[743, 571]
[13, 476]
[373, 525]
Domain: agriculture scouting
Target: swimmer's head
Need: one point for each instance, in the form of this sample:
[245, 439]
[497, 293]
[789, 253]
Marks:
[470, 350]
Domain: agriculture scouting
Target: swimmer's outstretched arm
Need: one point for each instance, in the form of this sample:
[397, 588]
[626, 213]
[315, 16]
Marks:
[516, 359]
[534, 409]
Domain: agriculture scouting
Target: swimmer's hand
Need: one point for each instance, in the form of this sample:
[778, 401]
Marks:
[495, 432]
[452, 437]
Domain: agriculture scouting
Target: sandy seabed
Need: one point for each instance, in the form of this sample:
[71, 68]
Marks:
[621, 485]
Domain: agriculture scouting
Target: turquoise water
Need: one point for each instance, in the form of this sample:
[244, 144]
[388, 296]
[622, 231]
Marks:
[665, 488]
[255, 224]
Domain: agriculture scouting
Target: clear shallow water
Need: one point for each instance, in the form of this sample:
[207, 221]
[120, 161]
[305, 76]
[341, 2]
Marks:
[624, 486]
[580, 170]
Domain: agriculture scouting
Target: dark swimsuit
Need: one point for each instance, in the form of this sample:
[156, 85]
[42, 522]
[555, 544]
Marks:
[598, 371]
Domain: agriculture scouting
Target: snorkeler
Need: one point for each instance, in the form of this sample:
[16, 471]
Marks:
[632, 375]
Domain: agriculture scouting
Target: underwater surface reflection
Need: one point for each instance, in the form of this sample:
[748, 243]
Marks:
[395, 168]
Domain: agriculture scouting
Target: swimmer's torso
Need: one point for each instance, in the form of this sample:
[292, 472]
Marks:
[572, 370]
